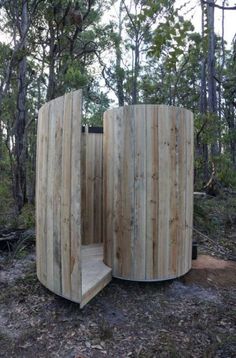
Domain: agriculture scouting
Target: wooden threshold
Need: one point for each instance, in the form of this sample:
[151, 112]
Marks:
[95, 274]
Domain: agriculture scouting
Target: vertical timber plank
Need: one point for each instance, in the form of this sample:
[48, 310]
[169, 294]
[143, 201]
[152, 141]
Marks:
[75, 198]
[173, 193]
[50, 186]
[164, 187]
[97, 205]
[152, 192]
[140, 191]
[189, 189]
[182, 191]
[83, 190]
[128, 198]
[119, 259]
[57, 189]
[43, 192]
[39, 192]
[66, 197]
[89, 186]
[108, 188]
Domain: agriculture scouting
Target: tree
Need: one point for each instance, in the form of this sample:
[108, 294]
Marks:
[20, 15]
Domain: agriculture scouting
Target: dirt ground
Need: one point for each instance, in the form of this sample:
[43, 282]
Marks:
[190, 317]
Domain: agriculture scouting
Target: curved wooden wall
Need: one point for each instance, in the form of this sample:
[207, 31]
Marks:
[148, 191]
[58, 209]
[91, 187]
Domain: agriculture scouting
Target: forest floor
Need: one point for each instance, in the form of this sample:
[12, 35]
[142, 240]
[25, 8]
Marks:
[189, 317]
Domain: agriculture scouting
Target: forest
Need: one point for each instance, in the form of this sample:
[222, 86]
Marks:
[119, 52]
[139, 52]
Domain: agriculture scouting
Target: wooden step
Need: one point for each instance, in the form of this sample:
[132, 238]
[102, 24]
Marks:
[95, 274]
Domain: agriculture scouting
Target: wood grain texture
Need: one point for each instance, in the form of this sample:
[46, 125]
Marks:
[42, 192]
[75, 198]
[92, 187]
[132, 187]
[95, 274]
[57, 189]
[68, 170]
[108, 185]
[148, 191]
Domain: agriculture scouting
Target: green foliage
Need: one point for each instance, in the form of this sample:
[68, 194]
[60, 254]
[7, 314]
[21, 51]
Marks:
[205, 216]
[26, 219]
[6, 202]
[225, 170]
[74, 78]
[96, 103]
[99, 55]
[6, 199]
[170, 36]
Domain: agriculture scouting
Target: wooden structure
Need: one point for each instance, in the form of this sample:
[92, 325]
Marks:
[92, 185]
[148, 191]
[64, 266]
[131, 187]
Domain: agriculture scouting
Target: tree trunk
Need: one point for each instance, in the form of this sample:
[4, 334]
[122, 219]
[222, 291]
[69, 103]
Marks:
[20, 140]
[203, 105]
[230, 116]
[212, 99]
[136, 69]
[222, 65]
[119, 70]
[52, 60]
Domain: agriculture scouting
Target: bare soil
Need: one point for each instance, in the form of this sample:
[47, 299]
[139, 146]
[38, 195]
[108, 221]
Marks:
[189, 317]
[193, 316]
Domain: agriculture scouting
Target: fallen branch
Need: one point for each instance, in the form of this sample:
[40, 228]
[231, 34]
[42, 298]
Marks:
[199, 193]
[201, 234]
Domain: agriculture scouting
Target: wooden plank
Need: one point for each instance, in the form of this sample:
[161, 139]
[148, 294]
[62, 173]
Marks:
[108, 189]
[49, 189]
[97, 204]
[89, 187]
[139, 192]
[75, 198]
[43, 193]
[126, 253]
[106, 240]
[83, 187]
[164, 192]
[182, 191]
[118, 257]
[57, 190]
[66, 197]
[92, 186]
[38, 191]
[173, 220]
[152, 192]
[189, 189]
[95, 274]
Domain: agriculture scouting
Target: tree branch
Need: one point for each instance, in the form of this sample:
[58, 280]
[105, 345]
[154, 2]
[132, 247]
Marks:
[90, 3]
[219, 6]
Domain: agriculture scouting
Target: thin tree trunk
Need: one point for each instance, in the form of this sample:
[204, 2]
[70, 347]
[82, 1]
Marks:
[119, 70]
[136, 69]
[52, 61]
[221, 74]
[212, 99]
[20, 140]
[203, 106]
